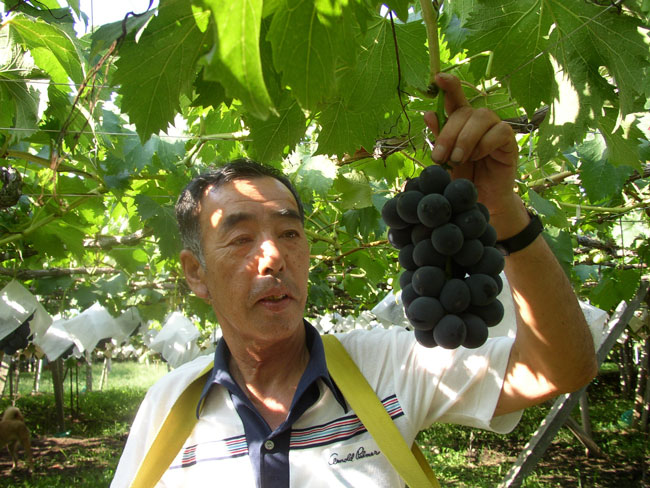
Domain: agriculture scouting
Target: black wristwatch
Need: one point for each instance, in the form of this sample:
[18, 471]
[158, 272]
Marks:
[522, 239]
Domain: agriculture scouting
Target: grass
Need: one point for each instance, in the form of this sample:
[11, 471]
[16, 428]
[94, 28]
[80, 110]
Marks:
[86, 454]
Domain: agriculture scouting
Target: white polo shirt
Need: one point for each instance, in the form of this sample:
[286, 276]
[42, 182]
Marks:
[326, 446]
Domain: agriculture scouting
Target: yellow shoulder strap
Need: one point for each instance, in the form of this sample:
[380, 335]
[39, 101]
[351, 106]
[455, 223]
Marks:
[409, 463]
[176, 428]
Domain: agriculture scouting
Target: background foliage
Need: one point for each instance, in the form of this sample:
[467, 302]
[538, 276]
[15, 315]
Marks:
[100, 131]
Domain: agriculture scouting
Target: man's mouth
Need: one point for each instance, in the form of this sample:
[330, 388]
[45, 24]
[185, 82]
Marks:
[275, 298]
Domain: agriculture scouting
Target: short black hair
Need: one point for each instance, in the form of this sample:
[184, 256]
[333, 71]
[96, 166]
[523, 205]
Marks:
[188, 205]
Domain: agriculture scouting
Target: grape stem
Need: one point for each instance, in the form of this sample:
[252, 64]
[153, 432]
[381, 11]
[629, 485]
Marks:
[430, 17]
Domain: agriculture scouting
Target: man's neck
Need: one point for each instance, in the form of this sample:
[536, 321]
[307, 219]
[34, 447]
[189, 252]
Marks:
[269, 374]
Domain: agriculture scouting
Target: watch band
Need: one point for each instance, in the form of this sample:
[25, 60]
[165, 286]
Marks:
[522, 239]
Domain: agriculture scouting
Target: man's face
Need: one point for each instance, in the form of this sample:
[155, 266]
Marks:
[257, 258]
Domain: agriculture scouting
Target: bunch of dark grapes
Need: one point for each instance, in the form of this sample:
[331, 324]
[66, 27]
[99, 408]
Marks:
[451, 271]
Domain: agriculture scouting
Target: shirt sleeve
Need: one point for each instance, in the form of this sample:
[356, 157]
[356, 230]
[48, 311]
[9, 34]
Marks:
[460, 386]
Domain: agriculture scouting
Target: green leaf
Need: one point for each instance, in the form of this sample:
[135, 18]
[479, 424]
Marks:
[25, 108]
[553, 215]
[305, 50]
[614, 286]
[561, 243]
[355, 190]
[363, 221]
[274, 137]
[155, 71]
[162, 220]
[599, 177]
[516, 32]
[344, 131]
[622, 143]
[400, 7]
[315, 174]
[108, 33]
[235, 61]
[51, 47]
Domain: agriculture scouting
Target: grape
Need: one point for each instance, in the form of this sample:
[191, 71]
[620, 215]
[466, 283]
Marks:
[405, 278]
[469, 254]
[425, 337]
[455, 296]
[489, 236]
[424, 313]
[482, 289]
[419, 233]
[476, 331]
[407, 206]
[434, 210]
[424, 254]
[434, 179]
[491, 263]
[408, 295]
[447, 239]
[450, 278]
[471, 222]
[499, 281]
[399, 237]
[491, 314]
[390, 216]
[484, 210]
[428, 281]
[462, 195]
[412, 185]
[405, 257]
[450, 332]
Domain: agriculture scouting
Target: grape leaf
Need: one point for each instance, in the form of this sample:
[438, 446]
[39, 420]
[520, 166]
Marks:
[274, 137]
[599, 177]
[354, 189]
[344, 131]
[155, 71]
[615, 285]
[25, 107]
[51, 47]
[315, 174]
[515, 32]
[550, 211]
[235, 61]
[304, 50]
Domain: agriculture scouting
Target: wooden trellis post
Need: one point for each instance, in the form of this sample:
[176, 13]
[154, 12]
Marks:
[541, 439]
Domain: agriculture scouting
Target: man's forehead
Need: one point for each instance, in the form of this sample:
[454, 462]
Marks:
[246, 195]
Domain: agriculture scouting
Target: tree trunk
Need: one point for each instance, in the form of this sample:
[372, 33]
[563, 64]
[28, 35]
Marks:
[38, 369]
[640, 401]
[5, 362]
[89, 371]
[625, 365]
[57, 383]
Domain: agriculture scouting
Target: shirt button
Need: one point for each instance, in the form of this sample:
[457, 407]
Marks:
[269, 445]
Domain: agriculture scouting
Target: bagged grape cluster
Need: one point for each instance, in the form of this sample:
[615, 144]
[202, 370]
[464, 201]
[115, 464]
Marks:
[451, 271]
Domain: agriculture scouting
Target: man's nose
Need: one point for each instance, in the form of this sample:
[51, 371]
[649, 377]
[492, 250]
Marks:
[271, 259]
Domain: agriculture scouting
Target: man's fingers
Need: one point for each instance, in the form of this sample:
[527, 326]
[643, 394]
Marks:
[499, 142]
[454, 96]
[463, 133]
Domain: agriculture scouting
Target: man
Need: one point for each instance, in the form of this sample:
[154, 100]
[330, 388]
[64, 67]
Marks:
[270, 415]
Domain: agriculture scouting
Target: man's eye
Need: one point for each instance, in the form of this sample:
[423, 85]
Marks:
[237, 241]
[291, 233]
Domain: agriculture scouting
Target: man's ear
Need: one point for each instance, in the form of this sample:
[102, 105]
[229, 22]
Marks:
[194, 274]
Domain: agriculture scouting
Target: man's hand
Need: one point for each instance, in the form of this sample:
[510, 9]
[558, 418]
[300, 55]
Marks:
[477, 145]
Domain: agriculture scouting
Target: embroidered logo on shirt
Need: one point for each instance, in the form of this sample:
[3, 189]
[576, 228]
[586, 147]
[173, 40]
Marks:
[360, 453]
